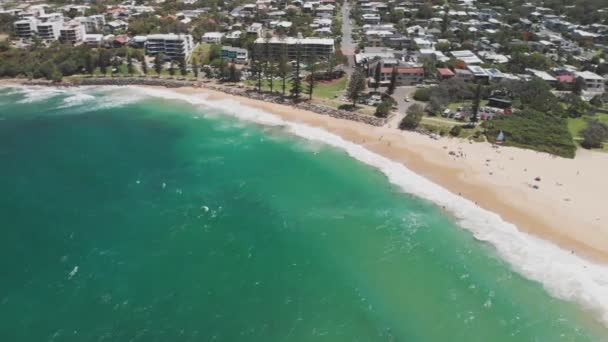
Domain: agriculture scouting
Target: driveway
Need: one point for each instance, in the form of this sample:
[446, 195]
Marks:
[400, 94]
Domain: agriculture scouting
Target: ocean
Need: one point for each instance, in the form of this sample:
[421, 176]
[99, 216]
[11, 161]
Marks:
[142, 215]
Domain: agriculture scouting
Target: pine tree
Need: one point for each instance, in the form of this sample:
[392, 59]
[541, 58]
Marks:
[377, 75]
[130, 68]
[312, 66]
[144, 65]
[158, 63]
[195, 68]
[476, 101]
[356, 85]
[391, 87]
[233, 73]
[172, 68]
[283, 70]
[271, 70]
[182, 67]
[296, 81]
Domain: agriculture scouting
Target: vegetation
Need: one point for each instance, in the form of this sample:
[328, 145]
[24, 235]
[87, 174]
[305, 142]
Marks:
[383, 109]
[533, 130]
[594, 135]
[455, 131]
[356, 85]
[413, 117]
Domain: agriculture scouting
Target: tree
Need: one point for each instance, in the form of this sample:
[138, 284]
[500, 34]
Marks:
[476, 101]
[412, 118]
[158, 63]
[103, 61]
[89, 63]
[283, 71]
[446, 19]
[455, 131]
[130, 68]
[594, 134]
[296, 81]
[222, 69]
[377, 75]
[183, 70]
[233, 73]
[312, 65]
[356, 85]
[383, 109]
[194, 67]
[270, 73]
[172, 68]
[391, 87]
[144, 65]
[579, 86]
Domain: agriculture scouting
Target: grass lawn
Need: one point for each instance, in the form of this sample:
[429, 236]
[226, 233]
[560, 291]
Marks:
[576, 125]
[322, 90]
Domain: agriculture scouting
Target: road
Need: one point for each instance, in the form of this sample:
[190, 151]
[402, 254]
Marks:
[348, 47]
[399, 95]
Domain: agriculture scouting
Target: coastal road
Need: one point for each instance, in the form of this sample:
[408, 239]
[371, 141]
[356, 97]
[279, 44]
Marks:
[347, 45]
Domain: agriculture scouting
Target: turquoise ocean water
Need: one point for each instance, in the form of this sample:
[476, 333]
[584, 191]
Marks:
[153, 220]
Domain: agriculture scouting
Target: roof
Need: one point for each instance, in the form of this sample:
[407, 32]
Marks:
[588, 75]
[565, 78]
[445, 72]
[291, 40]
[404, 70]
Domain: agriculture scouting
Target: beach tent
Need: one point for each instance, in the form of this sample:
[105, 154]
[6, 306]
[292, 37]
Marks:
[500, 138]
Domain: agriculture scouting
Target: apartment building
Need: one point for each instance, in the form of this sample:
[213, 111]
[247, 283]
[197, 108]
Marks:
[594, 82]
[25, 28]
[405, 76]
[49, 31]
[320, 48]
[72, 32]
[234, 54]
[93, 23]
[172, 46]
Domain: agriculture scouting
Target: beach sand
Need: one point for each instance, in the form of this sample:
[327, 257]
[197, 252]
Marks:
[568, 208]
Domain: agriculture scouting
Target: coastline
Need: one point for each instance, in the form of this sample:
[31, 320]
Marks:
[496, 204]
[567, 209]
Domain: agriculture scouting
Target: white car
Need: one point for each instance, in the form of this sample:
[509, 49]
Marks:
[406, 99]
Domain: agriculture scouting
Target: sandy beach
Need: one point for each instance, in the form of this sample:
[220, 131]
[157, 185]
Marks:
[567, 207]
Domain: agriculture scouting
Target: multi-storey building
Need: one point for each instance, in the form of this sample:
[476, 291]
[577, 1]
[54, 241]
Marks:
[72, 32]
[274, 48]
[25, 28]
[234, 54]
[593, 82]
[50, 30]
[172, 46]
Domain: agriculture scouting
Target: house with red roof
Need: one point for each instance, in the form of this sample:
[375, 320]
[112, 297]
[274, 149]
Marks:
[405, 75]
[444, 73]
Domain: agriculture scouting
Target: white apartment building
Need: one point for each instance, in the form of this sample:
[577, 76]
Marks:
[25, 28]
[72, 32]
[594, 82]
[93, 23]
[212, 37]
[172, 46]
[321, 48]
[49, 31]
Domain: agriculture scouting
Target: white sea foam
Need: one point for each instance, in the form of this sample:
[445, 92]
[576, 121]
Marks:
[76, 100]
[34, 94]
[563, 274]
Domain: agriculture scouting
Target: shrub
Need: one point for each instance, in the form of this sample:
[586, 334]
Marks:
[383, 109]
[422, 94]
[533, 130]
[413, 117]
[455, 131]
[594, 134]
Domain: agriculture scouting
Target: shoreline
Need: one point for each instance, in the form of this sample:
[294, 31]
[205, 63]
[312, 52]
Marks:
[566, 209]
[539, 245]
[486, 183]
